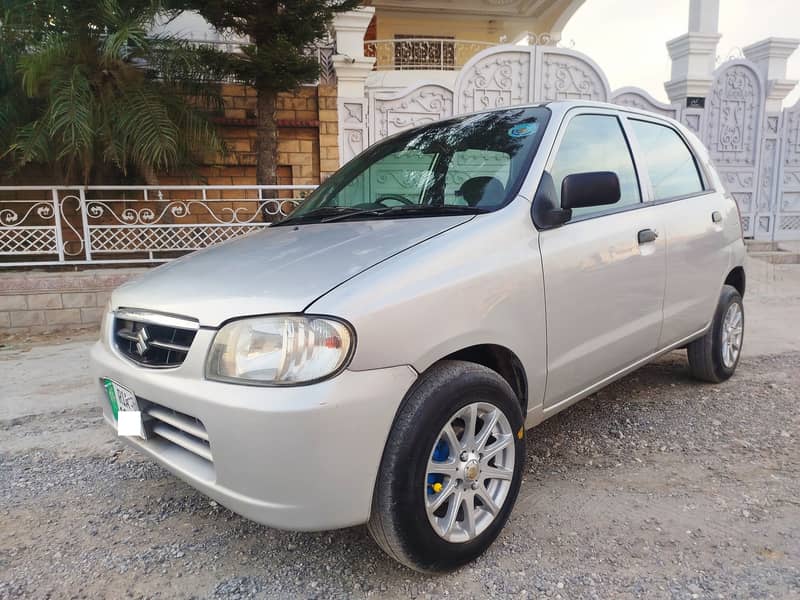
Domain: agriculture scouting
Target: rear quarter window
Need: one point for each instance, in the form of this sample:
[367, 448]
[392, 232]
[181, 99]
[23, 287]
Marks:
[668, 160]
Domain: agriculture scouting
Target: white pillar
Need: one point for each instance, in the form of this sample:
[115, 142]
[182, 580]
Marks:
[770, 56]
[704, 16]
[694, 53]
[352, 69]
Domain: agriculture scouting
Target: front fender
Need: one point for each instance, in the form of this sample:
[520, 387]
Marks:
[480, 283]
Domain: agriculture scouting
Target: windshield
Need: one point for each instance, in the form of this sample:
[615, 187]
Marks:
[468, 165]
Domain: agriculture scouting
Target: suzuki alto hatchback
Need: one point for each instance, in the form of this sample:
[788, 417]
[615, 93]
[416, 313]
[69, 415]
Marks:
[377, 356]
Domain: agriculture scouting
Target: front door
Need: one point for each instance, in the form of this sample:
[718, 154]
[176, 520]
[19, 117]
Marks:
[604, 276]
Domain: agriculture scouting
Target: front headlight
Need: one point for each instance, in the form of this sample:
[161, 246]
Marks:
[279, 350]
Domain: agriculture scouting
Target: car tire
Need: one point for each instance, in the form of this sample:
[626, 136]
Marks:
[714, 356]
[403, 521]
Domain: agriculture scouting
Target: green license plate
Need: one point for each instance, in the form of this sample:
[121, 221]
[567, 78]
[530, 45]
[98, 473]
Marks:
[120, 398]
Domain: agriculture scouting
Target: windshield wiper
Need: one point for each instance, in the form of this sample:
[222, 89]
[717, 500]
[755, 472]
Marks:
[321, 212]
[416, 209]
[435, 209]
[329, 214]
[354, 212]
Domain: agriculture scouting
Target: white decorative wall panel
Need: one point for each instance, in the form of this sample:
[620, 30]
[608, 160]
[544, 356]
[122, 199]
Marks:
[733, 122]
[497, 77]
[570, 75]
[787, 209]
[352, 126]
[638, 98]
[409, 108]
[735, 111]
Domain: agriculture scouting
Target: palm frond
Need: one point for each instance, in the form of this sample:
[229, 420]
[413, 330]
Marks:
[31, 144]
[122, 43]
[200, 137]
[146, 127]
[88, 88]
[37, 66]
[70, 114]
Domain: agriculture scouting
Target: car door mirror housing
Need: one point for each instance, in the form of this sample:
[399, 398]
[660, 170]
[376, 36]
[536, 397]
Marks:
[598, 188]
[545, 211]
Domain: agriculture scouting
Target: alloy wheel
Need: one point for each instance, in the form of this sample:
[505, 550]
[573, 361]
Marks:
[732, 330]
[469, 472]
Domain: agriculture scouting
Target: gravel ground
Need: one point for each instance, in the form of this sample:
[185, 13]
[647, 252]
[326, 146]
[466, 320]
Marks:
[657, 486]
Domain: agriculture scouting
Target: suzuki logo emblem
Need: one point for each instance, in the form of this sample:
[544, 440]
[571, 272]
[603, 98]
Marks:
[142, 338]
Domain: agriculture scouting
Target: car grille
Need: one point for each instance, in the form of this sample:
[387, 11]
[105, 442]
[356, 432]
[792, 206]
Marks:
[153, 339]
[177, 428]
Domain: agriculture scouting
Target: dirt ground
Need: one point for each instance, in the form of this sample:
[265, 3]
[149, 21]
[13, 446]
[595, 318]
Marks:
[657, 486]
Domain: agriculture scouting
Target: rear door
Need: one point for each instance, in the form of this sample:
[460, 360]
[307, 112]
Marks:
[695, 219]
[603, 287]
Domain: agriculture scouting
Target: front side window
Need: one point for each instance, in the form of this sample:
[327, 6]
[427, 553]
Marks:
[596, 143]
[467, 165]
[673, 171]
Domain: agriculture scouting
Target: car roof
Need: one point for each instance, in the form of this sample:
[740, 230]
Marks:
[560, 107]
[565, 105]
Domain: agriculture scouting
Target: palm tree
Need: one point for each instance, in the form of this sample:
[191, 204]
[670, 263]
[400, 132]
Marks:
[101, 92]
[15, 108]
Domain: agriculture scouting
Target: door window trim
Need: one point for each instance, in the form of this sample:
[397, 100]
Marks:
[644, 192]
[705, 181]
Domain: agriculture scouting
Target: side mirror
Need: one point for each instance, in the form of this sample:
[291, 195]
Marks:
[545, 211]
[580, 190]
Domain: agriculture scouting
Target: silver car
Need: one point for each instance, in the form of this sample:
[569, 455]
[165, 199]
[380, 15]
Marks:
[377, 356]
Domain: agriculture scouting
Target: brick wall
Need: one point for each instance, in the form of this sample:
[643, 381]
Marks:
[328, 130]
[38, 302]
[308, 149]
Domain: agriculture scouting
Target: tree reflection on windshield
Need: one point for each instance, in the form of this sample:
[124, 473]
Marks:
[466, 165]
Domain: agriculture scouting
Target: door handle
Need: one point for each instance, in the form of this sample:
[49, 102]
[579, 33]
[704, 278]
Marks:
[647, 235]
[716, 216]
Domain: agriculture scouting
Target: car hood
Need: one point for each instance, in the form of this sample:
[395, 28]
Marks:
[280, 269]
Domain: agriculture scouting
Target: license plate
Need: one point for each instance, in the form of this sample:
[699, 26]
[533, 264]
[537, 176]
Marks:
[125, 408]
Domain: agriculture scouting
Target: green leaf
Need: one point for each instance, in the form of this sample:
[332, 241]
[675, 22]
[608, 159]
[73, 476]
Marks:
[147, 129]
[82, 86]
[70, 114]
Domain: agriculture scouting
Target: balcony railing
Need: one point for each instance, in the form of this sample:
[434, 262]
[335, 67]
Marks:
[41, 225]
[438, 54]
[422, 53]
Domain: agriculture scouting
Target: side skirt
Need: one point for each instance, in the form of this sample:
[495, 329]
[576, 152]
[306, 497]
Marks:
[538, 414]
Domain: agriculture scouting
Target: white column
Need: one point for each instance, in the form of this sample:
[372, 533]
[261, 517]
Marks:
[694, 53]
[770, 56]
[352, 69]
[704, 16]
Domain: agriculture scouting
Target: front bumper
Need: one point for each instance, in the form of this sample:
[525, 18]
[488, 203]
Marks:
[301, 458]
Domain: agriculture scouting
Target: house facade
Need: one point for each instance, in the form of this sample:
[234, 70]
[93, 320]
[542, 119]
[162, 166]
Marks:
[395, 64]
[396, 41]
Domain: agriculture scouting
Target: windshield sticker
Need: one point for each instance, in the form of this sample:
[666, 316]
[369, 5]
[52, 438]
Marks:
[523, 130]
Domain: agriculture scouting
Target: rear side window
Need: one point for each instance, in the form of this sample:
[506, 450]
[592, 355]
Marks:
[596, 143]
[673, 171]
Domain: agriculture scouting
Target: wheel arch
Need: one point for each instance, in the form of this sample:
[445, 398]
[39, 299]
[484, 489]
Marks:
[737, 279]
[502, 361]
